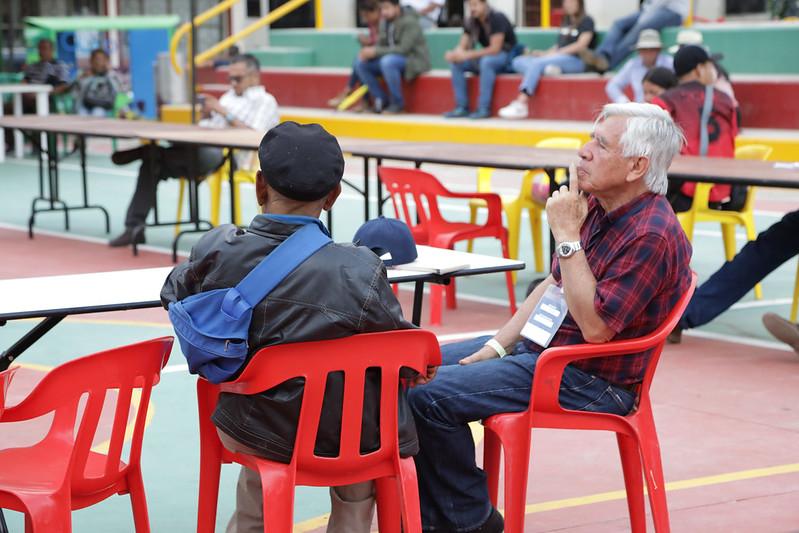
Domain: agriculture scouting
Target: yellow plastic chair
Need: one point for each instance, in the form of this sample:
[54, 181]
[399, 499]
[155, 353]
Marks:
[214, 181]
[795, 304]
[514, 205]
[701, 212]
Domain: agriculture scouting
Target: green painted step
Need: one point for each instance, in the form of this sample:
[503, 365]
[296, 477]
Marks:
[765, 48]
[285, 56]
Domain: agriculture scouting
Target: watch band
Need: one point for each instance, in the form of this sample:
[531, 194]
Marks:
[497, 347]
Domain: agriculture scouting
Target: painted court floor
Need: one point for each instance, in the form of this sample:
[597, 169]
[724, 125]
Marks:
[725, 400]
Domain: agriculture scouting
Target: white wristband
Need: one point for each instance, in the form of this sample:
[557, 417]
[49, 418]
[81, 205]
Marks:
[497, 347]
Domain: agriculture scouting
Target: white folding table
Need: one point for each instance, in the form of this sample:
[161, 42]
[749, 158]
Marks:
[42, 93]
[53, 298]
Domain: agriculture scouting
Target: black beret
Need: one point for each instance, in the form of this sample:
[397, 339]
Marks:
[301, 161]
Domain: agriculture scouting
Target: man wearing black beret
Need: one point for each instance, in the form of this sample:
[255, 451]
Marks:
[339, 291]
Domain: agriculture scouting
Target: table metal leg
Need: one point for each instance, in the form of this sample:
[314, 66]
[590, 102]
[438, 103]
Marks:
[418, 296]
[19, 141]
[28, 340]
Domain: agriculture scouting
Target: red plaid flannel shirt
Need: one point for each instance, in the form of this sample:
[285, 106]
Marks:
[640, 258]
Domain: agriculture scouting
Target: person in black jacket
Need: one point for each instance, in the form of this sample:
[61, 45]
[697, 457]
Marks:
[339, 291]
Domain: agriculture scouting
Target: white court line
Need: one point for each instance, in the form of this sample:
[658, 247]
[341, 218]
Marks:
[762, 303]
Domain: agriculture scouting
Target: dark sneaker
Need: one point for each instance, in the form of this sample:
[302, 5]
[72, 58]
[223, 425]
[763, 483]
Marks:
[594, 61]
[458, 112]
[494, 524]
[393, 109]
[123, 157]
[132, 235]
[675, 337]
[783, 330]
[480, 113]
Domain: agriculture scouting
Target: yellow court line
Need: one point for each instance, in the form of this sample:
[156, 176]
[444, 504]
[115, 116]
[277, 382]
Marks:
[565, 503]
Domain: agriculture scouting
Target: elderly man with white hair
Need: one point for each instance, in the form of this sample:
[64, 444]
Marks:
[622, 263]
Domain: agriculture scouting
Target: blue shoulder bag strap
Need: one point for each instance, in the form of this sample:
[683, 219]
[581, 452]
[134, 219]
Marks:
[292, 252]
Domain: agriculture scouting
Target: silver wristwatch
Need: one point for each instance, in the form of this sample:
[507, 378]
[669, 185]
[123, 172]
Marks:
[568, 248]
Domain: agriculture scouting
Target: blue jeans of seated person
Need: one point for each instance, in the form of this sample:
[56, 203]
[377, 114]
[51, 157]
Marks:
[756, 260]
[452, 489]
[487, 67]
[391, 67]
[532, 68]
[620, 40]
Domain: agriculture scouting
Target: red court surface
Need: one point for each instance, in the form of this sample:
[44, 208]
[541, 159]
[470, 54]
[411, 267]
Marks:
[726, 413]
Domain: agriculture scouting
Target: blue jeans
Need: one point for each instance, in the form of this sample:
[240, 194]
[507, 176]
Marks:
[620, 40]
[756, 260]
[452, 489]
[532, 68]
[487, 67]
[391, 67]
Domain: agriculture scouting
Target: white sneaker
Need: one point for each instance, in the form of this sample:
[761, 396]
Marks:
[514, 110]
[552, 70]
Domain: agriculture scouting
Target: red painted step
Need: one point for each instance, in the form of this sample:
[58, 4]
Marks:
[766, 102]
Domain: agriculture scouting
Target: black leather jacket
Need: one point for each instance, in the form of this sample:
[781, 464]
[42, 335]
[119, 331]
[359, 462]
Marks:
[339, 291]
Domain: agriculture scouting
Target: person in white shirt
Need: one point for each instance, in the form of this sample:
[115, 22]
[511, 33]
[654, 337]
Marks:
[632, 73]
[245, 105]
[428, 10]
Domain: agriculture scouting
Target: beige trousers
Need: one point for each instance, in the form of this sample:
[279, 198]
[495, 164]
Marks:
[351, 506]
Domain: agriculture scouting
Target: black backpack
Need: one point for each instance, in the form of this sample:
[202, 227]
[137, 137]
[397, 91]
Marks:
[99, 92]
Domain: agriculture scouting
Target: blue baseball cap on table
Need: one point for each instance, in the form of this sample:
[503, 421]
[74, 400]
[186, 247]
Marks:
[390, 235]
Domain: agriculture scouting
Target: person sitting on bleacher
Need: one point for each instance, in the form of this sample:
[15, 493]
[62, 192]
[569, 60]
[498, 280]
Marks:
[494, 32]
[245, 105]
[696, 73]
[429, 11]
[97, 88]
[657, 81]
[623, 34]
[47, 71]
[633, 71]
[401, 51]
[576, 34]
[369, 14]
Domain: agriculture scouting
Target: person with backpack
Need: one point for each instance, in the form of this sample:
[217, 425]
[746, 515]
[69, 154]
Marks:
[97, 89]
[338, 291]
[708, 118]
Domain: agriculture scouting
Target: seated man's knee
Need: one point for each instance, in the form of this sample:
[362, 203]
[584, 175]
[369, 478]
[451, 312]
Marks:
[388, 62]
[490, 62]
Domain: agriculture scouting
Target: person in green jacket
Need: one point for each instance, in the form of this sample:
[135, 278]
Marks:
[401, 50]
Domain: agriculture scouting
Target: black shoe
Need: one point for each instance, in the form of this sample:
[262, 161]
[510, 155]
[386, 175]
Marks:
[493, 524]
[131, 235]
[123, 157]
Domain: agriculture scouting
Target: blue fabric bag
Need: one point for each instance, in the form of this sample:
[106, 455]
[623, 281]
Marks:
[212, 326]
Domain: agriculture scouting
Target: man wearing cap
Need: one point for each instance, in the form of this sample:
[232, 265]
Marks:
[688, 37]
[697, 75]
[622, 263]
[623, 34]
[633, 72]
[339, 291]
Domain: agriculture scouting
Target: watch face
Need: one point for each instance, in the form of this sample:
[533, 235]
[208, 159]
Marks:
[564, 250]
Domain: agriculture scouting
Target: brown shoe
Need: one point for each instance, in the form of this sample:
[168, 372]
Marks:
[594, 61]
[783, 330]
[675, 337]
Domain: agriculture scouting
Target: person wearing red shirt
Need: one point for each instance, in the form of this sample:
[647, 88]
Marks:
[695, 71]
[623, 262]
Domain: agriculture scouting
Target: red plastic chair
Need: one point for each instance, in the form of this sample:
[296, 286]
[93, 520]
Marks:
[636, 434]
[397, 490]
[5, 381]
[62, 472]
[407, 187]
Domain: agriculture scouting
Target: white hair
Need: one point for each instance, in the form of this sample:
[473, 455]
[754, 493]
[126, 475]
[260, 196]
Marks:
[650, 133]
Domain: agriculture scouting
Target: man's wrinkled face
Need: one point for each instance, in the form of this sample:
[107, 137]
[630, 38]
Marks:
[242, 78]
[602, 167]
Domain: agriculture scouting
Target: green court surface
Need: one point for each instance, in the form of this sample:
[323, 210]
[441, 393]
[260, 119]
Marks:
[170, 456]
